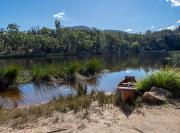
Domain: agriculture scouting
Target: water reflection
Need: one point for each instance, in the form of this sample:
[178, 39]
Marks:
[11, 97]
[117, 66]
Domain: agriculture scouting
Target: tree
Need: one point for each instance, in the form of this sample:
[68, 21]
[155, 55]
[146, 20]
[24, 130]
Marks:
[82, 39]
[135, 47]
[58, 24]
[13, 27]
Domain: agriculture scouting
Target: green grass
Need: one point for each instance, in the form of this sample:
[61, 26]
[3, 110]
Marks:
[70, 70]
[67, 72]
[8, 76]
[91, 68]
[40, 73]
[167, 78]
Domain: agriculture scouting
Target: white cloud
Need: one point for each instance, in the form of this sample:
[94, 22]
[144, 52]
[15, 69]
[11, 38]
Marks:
[178, 21]
[60, 15]
[129, 30]
[172, 27]
[174, 2]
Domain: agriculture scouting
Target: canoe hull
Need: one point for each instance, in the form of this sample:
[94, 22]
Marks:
[127, 90]
[127, 95]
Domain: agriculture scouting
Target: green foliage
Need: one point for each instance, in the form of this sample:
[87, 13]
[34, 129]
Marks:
[168, 79]
[8, 76]
[40, 73]
[135, 47]
[91, 67]
[66, 72]
[82, 40]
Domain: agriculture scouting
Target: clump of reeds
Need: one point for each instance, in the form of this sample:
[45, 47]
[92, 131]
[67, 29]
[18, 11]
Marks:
[40, 73]
[70, 70]
[8, 76]
[65, 72]
[91, 68]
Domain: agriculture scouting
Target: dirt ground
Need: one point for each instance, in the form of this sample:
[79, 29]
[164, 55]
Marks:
[147, 119]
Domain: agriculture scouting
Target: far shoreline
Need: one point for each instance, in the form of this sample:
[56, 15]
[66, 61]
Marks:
[7, 56]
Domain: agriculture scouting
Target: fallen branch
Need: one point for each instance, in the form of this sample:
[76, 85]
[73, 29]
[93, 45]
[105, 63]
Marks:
[57, 130]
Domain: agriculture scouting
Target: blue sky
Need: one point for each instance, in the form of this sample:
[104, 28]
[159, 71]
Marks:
[126, 15]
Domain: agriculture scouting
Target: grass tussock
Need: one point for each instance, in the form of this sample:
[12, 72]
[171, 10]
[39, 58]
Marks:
[167, 78]
[8, 76]
[40, 73]
[91, 68]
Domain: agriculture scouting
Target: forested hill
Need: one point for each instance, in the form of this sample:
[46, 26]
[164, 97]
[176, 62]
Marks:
[83, 40]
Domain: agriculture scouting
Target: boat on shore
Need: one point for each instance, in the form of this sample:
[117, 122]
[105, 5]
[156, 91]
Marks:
[127, 90]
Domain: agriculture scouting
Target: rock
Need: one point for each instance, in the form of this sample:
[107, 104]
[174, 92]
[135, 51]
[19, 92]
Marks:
[156, 95]
[151, 97]
[161, 92]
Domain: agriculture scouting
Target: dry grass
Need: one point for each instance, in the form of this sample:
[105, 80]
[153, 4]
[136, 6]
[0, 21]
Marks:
[20, 116]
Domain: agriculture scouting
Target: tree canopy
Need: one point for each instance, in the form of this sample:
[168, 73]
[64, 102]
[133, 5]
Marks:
[83, 40]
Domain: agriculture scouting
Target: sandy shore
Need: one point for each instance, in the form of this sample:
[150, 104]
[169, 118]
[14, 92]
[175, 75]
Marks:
[160, 119]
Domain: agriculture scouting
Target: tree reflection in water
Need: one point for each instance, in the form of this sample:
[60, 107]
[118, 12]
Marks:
[10, 98]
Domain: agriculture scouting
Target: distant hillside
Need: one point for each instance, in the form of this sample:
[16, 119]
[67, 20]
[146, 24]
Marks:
[80, 28]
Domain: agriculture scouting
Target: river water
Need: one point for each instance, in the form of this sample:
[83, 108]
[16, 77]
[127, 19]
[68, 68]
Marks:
[116, 68]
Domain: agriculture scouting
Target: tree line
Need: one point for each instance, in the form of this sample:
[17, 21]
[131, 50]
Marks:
[83, 40]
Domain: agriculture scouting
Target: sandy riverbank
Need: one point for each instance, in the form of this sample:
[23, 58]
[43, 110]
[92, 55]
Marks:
[147, 119]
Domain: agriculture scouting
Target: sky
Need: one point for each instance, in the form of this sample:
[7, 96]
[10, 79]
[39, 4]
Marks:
[125, 15]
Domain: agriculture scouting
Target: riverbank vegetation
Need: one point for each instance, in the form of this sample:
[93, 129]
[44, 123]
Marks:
[8, 76]
[17, 117]
[53, 73]
[167, 78]
[82, 40]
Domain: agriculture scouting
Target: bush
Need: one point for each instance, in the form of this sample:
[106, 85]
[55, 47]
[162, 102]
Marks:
[167, 78]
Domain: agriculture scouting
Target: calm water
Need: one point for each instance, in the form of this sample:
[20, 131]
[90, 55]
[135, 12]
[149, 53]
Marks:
[118, 66]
